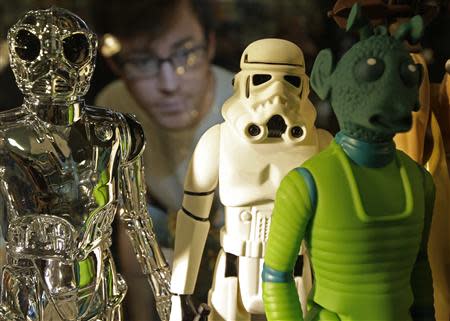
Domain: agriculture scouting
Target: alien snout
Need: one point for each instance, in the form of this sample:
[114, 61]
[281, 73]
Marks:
[394, 124]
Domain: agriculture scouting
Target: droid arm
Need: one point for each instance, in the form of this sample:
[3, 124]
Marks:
[421, 280]
[294, 206]
[192, 219]
[138, 224]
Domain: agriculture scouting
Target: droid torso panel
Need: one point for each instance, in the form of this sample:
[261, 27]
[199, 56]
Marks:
[59, 183]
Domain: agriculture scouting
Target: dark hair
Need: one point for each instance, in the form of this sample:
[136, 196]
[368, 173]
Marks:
[135, 17]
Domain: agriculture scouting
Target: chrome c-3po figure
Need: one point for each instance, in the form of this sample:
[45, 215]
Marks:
[65, 169]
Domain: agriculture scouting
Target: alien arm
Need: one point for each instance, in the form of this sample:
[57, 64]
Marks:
[421, 280]
[293, 209]
[137, 222]
[192, 219]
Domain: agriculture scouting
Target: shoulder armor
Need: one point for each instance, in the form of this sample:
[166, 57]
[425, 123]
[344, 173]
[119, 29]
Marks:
[100, 113]
[132, 136]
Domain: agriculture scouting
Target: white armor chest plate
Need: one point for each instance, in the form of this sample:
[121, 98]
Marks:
[251, 173]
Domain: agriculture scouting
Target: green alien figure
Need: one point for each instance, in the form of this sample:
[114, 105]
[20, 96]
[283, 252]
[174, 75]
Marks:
[363, 207]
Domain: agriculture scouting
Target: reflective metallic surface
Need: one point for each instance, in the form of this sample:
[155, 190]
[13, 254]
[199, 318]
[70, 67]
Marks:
[52, 54]
[66, 169]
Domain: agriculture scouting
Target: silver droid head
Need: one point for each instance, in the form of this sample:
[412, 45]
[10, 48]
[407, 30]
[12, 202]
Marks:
[52, 54]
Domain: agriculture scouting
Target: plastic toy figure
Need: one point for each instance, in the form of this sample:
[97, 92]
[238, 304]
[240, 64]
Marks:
[268, 130]
[444, 110]
[65, 169]
[363, 207]
[428, 140]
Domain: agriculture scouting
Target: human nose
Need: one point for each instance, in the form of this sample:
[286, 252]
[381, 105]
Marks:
[167, 78]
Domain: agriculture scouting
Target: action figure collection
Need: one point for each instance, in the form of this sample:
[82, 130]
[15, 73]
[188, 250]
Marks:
[316, 227]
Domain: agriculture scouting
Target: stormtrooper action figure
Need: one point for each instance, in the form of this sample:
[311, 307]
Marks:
[268, 130]
[65, 170]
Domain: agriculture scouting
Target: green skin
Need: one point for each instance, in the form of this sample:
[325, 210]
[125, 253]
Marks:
[367, 230]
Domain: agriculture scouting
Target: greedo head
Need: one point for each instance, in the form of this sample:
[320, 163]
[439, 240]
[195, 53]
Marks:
[270, 99]
[52, 54]
[375, 86]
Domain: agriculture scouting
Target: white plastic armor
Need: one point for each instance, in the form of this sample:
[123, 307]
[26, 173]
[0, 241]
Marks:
[268, 130]
[65, 170]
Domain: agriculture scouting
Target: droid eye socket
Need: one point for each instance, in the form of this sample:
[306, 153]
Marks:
[259, 79]
[410, 73]
[76, 48]
[293, 80]
[27, 45]
[369, 69]
[29, 20]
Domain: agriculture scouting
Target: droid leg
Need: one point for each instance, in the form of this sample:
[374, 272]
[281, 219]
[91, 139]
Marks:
[224, 297]
[115, 290]
[7, 315]
[19, 294]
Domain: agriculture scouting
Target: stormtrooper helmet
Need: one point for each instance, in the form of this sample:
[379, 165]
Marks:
[270, 99]
[52, 54]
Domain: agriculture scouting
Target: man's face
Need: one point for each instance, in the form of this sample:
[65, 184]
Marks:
[169, 76]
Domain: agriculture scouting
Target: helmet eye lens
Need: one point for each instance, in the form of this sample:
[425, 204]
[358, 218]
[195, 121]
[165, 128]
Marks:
[293, 80]
[27, 46]
[76, 48]
[259, 79]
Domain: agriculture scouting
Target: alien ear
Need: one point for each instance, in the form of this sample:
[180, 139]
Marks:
[411, 30]
[356, 21]
[321, 73]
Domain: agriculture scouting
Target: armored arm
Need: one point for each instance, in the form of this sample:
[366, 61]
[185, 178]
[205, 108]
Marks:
[136, 219]
[294, 205]
[192, 219]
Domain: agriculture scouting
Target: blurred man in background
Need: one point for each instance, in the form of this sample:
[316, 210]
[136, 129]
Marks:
[162, 52]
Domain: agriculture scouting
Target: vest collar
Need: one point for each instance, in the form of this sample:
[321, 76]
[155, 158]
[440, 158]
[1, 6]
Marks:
[364, 153]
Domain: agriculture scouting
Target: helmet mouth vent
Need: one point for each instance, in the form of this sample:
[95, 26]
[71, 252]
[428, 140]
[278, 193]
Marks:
[276, 126]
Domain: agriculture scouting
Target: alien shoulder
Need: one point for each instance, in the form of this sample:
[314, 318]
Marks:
[423, 176]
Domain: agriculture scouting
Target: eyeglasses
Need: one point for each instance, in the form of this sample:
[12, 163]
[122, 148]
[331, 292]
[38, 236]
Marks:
[147, 66]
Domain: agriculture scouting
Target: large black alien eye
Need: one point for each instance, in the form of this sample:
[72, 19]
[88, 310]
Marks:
[410, 73]
[76, 48]
[293, 80]
[27, 46]
[259, 79]
[369, 69]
